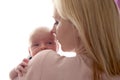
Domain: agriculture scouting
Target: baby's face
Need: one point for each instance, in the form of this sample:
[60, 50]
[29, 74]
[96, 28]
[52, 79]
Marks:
[41, 42]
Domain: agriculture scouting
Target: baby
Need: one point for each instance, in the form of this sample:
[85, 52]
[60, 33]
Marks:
[41, 39]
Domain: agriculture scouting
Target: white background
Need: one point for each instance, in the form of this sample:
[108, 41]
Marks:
[17, 19]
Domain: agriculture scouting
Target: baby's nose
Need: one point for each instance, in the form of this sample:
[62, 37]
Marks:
[43, 47]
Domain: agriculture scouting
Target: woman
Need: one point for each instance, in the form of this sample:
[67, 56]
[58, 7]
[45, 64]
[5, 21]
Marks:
[91, 28]
[98, 25]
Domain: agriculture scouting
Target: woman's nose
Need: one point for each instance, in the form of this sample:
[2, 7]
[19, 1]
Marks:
[53, 29]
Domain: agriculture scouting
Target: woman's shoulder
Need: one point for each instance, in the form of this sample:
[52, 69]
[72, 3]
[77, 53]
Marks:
[49, 63]
[46, 56]
[50, 56]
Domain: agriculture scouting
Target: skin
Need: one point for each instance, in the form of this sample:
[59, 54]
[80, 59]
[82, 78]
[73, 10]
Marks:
[65, 32]
[44, 41]
[41, 41]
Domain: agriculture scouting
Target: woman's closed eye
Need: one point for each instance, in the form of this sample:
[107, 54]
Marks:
[56, 23]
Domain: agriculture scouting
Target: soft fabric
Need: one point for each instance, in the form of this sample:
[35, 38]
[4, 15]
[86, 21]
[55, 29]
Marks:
[48, 65]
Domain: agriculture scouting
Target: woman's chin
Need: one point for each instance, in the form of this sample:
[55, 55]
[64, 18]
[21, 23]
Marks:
[67, 49]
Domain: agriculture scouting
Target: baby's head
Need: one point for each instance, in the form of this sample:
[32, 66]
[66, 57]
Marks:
[41, 39]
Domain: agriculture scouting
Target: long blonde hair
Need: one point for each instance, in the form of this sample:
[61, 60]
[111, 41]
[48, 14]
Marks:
[98, 25]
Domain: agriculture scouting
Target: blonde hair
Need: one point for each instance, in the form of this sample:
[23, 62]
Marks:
[98, 25]
[38, 31]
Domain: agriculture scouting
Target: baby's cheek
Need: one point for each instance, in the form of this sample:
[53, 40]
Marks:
[35, 51]
[55, 48]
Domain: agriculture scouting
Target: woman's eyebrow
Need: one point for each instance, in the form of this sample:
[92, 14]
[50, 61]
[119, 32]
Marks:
[55, 17]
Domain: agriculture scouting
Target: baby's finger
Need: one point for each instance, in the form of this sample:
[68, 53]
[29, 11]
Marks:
[25, 60]
[23, 67]
[24, 64]
[18, 70]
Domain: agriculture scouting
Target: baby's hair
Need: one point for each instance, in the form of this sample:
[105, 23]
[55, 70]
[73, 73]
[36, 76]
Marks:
[38, 31]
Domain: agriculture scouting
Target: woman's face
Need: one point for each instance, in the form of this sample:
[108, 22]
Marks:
[65, 33]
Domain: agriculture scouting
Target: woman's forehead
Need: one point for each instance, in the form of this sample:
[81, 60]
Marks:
[56, 15]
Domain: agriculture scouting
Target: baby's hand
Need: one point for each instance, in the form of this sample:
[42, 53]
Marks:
[22, 67]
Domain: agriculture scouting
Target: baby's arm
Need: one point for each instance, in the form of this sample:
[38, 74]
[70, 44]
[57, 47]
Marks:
[19, 70]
